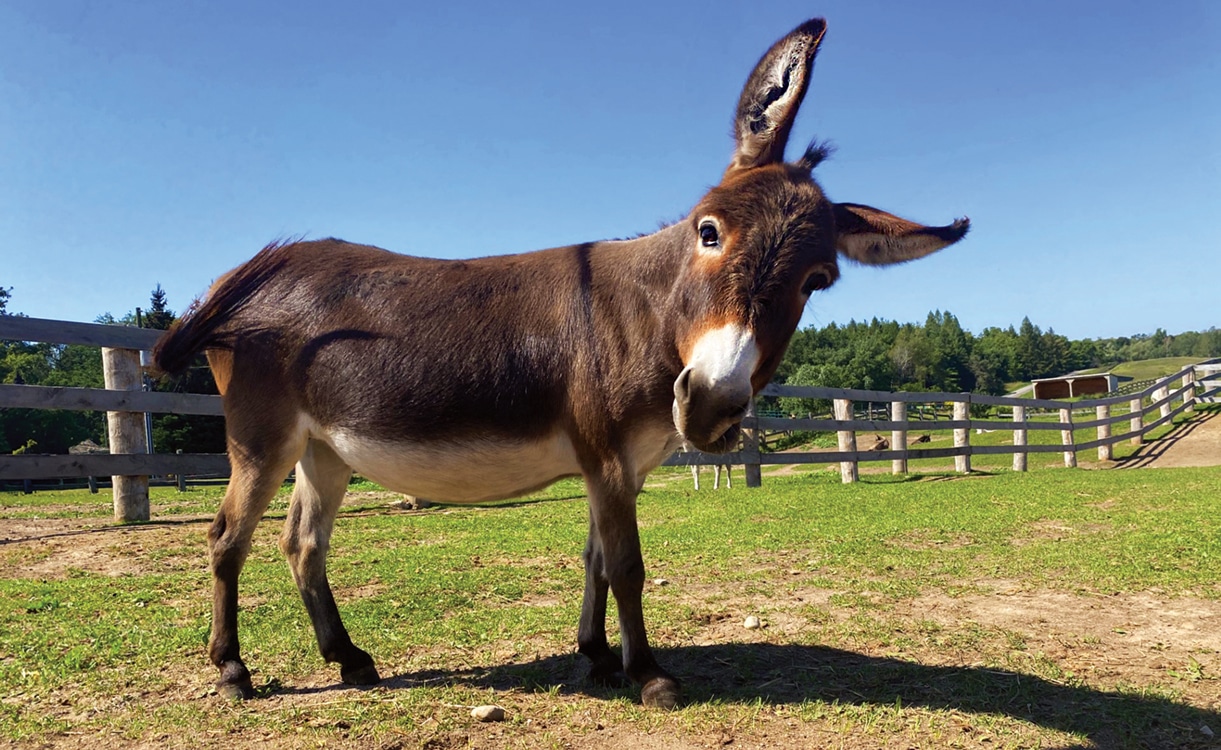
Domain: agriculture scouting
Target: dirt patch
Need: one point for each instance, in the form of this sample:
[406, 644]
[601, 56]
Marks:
[1194, 443]
[51, 549]
[1138, 638]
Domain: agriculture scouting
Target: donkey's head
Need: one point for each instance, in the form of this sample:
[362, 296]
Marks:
[760, 243]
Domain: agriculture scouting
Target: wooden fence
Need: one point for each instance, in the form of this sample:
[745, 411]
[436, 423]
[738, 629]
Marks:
[1137, 414]
[130, 465]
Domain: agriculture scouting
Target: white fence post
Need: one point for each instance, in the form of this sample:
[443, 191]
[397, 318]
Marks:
[1066, 438]
[1104, 432]
[898, 437]
[1162, 395]
[962, 437]
[847, 440]
[1137, 422]
[1189, 394]
[121, 372]
[1019, 438]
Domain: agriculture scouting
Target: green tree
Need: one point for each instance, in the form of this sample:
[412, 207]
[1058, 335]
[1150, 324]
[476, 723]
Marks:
[992, 358]
[159, 315]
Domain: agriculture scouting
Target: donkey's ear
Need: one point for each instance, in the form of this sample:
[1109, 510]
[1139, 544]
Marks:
[772, 95]
[877, 238]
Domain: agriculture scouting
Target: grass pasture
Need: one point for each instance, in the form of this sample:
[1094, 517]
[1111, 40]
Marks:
[1060, 608]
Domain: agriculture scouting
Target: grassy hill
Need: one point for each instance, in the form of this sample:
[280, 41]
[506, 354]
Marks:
[1145, 369]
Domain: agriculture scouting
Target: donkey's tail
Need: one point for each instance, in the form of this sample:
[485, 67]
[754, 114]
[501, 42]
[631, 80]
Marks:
[204, 324]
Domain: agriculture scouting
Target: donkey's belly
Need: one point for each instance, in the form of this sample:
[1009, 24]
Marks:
[458, 473]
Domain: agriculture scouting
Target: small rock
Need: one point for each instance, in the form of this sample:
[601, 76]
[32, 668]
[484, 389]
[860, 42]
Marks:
[660, 582]
[752, 623]
[1204, 730]
[488, 713]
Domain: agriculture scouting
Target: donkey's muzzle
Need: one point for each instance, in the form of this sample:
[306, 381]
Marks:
[710, 418]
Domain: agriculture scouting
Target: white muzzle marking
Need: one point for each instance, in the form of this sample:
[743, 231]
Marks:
[725, 358]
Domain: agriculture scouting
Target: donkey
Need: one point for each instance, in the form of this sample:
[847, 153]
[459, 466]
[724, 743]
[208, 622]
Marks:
[595, 360]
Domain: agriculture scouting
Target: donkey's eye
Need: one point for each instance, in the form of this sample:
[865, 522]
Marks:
[816, 281]
[708, 235]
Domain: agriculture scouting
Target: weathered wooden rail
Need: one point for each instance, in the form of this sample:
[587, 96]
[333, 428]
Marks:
[130, 465]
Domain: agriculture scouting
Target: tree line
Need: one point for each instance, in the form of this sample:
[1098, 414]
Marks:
[940, 355]
[880, 355]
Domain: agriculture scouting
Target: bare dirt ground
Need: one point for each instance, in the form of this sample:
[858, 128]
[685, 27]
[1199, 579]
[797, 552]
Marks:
[1195, 443]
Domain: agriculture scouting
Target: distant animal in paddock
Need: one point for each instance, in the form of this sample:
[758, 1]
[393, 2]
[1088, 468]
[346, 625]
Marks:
[716, 477]
[716, 480]
[686, 447]
[594, 360]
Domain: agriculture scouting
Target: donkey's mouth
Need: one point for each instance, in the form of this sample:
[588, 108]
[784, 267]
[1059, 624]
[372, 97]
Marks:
[727, 442]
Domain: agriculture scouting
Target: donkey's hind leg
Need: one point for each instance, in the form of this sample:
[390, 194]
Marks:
[255, 477]
[322, 480]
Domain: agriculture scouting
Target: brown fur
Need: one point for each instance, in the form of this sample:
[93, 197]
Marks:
[333, 356]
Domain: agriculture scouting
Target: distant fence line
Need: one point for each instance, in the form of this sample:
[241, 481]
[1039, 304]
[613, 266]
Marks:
[130, 465]
[1147, 410]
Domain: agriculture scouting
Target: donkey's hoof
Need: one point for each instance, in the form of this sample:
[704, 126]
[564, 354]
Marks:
[661, 692]
[235, 691]
[363, 675]
[234, 683]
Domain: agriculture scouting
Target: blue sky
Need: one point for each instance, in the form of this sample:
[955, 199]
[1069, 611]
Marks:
[154, 142]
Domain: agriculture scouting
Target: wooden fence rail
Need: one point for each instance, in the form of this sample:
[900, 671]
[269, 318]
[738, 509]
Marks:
[121, 400]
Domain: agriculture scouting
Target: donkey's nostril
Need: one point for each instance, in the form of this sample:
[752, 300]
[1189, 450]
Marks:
[682, 386]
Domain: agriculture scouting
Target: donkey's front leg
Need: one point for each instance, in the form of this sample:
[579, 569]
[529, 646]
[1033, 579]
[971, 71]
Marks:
[607, 668]
[612, 502]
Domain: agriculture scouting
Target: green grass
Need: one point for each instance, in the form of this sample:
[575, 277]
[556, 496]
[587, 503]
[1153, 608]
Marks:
[1147, 369]
[479, 605]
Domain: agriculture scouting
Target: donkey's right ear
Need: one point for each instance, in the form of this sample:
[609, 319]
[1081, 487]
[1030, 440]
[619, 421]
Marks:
[772, 95]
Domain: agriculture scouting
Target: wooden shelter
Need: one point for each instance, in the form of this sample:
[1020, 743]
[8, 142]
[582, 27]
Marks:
[1069, 386]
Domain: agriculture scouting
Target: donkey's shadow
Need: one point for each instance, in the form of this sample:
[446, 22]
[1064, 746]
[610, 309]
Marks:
[751, 673]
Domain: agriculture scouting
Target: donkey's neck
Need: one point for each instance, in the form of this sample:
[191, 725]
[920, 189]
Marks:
[652, 262]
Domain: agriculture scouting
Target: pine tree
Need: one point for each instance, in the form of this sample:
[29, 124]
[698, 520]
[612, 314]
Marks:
[159, 315]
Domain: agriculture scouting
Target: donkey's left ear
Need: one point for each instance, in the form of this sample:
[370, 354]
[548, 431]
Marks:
[868, 235]
[772, 94]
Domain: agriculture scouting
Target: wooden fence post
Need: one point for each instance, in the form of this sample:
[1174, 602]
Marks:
[1104, 432]
[1066, 438]
[962, 437]
[1019, 438]
[847, 440]
[898, 437]
[1163, 397]
[1137, 422]
[1189, 395]
[121, 371]
[750, 448]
